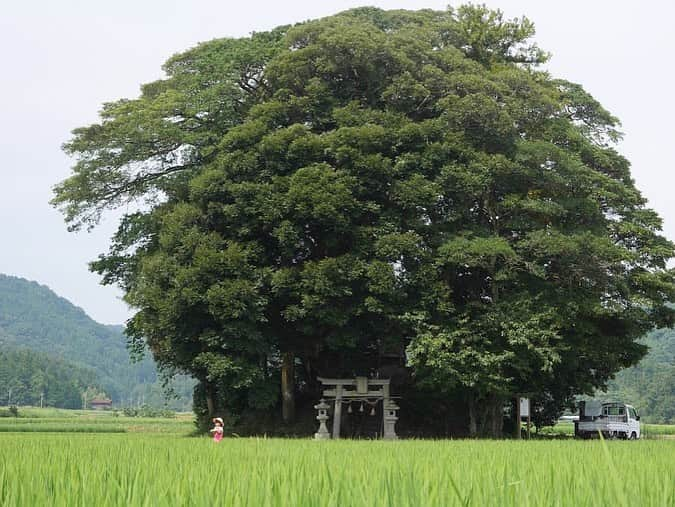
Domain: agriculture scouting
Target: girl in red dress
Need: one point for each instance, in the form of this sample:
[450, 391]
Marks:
[217, 429]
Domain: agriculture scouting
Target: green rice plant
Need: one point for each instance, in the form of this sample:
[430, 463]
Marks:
[60, 428]
[159, 469]
[648, 430]
[658, 429]
[97, 424]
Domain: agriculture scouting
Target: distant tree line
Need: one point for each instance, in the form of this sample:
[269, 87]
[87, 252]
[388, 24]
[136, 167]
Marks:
[32, 317]
[32, 378]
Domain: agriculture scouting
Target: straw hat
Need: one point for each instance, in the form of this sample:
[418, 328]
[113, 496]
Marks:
[218, 419]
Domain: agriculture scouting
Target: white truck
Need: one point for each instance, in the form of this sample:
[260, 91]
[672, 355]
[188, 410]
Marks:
[613, 420]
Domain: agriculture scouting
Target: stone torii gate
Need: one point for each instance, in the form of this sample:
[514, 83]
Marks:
[347, 390]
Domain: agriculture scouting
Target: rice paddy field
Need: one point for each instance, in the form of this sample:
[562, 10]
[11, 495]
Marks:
[649, 431]
[154, 463]
[88, 421]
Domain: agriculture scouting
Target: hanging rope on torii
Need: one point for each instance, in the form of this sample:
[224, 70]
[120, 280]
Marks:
[357, 389]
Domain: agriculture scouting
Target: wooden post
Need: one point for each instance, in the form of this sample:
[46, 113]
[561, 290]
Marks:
[528, 424]
[338, 411]
[517, 413]
[385, 404]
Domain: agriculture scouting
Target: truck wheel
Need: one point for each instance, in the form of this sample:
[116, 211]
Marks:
[633, 436]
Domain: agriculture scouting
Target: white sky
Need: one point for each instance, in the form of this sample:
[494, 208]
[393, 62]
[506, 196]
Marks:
[62, 59]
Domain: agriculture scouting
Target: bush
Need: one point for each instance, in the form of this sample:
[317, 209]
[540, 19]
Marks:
[12, 411]
[146, 411]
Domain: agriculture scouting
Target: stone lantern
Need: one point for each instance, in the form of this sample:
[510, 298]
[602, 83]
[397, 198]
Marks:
[390, 419]
[361, 391]
[322, 408]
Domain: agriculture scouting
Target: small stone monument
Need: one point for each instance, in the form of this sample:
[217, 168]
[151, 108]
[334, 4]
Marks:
[390, 418]
[322, 408]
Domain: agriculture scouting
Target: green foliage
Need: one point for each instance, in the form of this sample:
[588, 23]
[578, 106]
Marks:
[375, 181]
[147, 411]
[63, 351]
[650, 385]
[33, 376]
[12, 411]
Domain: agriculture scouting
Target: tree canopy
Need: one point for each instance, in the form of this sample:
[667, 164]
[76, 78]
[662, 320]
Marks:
[368, 186]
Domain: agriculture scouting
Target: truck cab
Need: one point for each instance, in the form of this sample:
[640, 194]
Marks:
[612, 420]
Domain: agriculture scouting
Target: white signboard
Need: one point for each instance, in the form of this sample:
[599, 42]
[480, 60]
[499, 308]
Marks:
[524, 407]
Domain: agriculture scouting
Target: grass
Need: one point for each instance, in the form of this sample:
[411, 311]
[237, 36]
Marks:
[649, 431]
[658, 429]
[51, 420]
[155, 469]
[85, 458]
[56, 427]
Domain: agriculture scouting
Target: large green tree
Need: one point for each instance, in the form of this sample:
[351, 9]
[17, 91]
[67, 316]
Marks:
[319, 195]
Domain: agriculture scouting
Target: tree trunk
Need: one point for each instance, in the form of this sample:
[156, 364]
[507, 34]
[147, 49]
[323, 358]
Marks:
[288, 387]
[494, 416]
[473, 423]
[209, 400]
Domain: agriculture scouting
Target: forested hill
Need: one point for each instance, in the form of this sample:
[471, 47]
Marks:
[33, 317]
[650, 385]
[28, 377]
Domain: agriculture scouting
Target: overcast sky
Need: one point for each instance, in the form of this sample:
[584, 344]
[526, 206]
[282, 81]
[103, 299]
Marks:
[63, 58]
